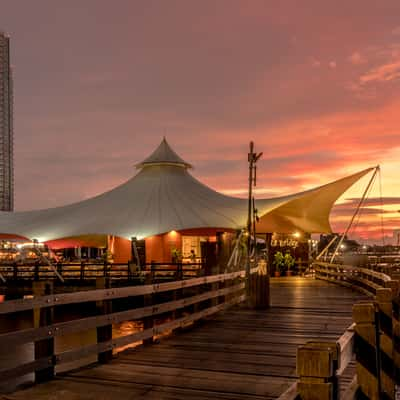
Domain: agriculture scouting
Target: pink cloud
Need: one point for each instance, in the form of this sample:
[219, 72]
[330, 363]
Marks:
[357, 58]
[383, 73]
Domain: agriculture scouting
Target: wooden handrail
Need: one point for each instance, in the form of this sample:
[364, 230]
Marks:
[346, 349]
[109, 294]
[224, 291]
[59, 329]
[72, 355]
[364, 279]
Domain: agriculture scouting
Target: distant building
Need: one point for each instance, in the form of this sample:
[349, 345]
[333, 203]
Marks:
[6, 127]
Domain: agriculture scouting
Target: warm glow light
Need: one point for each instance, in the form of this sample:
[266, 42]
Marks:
[172, 233]
[29, 244]
[342, 246]
[296, 234]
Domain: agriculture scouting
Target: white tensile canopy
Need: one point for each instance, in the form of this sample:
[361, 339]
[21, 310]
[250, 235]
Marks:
[163, 196]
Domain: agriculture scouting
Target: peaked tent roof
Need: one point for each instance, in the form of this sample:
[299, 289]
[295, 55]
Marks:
[163, 196]
[163, 155]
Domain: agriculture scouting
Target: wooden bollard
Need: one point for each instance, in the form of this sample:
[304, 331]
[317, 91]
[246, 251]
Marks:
[365, 344]
[316, 367]
[148, 322]
[104, 333]
[396, 339]
[259, 287]
[384, 297]
[43, 317]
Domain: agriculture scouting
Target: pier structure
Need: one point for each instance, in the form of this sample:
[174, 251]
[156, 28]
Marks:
[200, 338]
[247, 331]
[169, 215]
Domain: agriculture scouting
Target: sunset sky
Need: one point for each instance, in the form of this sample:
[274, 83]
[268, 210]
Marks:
[315, 84]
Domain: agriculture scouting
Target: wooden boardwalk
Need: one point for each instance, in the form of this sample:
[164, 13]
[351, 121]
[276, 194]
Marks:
[238, 354]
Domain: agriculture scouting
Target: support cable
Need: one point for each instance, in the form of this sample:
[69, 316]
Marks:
[355, 225]
[356, 212]
[381, 201]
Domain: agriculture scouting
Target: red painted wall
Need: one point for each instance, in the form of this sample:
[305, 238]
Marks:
[120, 248]
[158, 248]
[6, 236]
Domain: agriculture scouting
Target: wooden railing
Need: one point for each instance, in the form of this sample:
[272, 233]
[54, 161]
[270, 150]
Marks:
[321, 365]
[312, 378]
[175, 304]
[89, 271]
[364, 279]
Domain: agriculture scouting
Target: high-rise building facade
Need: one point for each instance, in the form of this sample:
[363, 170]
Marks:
[6, 127]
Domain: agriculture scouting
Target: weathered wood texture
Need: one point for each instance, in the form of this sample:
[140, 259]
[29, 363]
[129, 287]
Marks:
[237, 354]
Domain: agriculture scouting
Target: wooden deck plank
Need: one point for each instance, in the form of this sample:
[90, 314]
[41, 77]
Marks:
[238, 354]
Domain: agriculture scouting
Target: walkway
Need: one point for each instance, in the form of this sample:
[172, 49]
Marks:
[239, 354]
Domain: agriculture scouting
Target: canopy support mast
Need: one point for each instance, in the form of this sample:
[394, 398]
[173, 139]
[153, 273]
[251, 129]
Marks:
[377, 168]
[252, 159]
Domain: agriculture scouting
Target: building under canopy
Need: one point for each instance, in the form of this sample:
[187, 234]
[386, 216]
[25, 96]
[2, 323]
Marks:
[163, 197]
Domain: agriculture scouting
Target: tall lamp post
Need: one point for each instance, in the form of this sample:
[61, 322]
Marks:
[252, 159]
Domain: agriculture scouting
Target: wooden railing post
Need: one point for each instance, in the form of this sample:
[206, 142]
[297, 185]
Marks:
[15, 271]
[384, 297]
[43, 317]
[177, 294]
[259, 287]
[396, 339]
[316, 367]
[222, 285]
[367, 346]
[152, 272]
[179, 272]
[148, 322]
[105, 268]
[82, 271]
[104, 333]
[60, 268]
[36, 273]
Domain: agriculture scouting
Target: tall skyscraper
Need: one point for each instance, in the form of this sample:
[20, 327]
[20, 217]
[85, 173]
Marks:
[6, 127]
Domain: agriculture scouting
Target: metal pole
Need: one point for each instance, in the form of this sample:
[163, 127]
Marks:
[249, 215]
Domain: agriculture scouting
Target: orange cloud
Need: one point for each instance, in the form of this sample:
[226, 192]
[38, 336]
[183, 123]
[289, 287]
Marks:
[383, 73]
